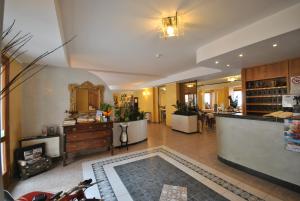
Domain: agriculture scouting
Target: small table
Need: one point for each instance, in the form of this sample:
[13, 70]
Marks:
[124, 135]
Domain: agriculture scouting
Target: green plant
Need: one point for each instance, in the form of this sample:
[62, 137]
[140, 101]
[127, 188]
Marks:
[297, 99]
[233, 103]
[106, 107]
[128, 113]
[142, 115]
[117, 114]
[184, 109]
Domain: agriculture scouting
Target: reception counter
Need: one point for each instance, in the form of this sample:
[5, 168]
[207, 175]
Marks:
[256, 145]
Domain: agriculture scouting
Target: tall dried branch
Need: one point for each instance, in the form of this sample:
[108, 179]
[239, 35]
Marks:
[7, 31]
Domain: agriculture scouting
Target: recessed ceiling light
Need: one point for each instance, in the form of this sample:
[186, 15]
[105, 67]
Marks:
[241, 55]
[228, 65]
[216, 62]
[275, 45]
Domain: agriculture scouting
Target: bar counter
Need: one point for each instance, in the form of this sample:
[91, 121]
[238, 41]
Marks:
[256, 145]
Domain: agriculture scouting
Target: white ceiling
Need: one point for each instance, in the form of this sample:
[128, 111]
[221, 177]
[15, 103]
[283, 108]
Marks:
[118, 40]
[288, 46]
[40, 19]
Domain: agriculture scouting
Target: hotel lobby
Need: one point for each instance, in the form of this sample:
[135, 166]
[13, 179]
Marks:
[181, 100]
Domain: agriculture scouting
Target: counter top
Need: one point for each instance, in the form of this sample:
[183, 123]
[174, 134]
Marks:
[251, 117]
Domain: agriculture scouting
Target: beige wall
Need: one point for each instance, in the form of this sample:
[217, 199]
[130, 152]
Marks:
[15, 111]
[172, 95]
[145, 99]
[155, 117]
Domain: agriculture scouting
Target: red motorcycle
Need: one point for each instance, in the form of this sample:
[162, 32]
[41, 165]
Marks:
[74, 194]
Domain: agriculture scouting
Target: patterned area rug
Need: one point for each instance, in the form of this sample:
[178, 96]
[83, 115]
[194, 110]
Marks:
[141, 176]
[144, 180]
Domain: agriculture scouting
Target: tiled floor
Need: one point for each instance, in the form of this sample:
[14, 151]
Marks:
[200, 147]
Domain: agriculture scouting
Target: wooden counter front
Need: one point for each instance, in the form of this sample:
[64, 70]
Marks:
[87, 136]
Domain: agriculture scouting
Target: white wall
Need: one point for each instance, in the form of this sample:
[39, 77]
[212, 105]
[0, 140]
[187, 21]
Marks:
[46, 97]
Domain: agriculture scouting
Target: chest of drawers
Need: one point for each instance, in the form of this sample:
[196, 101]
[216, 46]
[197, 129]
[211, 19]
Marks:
[87, 136]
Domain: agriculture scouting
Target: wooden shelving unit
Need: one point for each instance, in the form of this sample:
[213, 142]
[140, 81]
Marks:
[264, 85]
[266, 88]
[264, 104]
[265, 96]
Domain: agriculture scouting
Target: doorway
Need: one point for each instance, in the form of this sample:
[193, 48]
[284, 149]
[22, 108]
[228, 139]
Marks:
[162, 104]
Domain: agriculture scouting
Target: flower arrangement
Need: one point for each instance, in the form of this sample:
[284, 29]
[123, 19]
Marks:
[106, 108]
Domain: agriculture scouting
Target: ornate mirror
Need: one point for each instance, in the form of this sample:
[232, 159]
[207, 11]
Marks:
[86, 97]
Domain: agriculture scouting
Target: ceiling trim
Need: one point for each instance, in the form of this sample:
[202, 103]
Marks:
[188, 74]
[61, 30]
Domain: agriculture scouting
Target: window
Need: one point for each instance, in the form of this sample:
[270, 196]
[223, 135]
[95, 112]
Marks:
[207, 100]
[190, 99]
[238, 95]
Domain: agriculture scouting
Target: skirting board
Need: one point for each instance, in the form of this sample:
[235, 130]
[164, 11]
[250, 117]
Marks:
[185, 132]
[280, 182]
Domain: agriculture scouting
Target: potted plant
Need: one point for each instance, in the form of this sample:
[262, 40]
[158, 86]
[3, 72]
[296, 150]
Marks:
[135, 119]
[296, 107]
[185, 118]
[232, 103]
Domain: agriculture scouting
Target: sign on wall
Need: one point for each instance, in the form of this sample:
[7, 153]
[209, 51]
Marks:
[295, 85]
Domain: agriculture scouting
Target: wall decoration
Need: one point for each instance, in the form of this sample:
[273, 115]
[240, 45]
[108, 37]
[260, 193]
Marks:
[295, 85]
[94, 97]
[292, 134]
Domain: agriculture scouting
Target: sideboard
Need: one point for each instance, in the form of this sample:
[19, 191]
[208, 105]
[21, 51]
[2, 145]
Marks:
[87, 136]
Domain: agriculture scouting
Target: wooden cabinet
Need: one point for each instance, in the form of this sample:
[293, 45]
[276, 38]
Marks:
[294, 67]
[87, 136]
[268, 71]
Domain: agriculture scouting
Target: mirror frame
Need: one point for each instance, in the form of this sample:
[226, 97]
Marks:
[85, 85]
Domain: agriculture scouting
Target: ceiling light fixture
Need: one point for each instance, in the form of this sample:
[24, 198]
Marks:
[158, 55]
[216, 62]
[146, 93]
[228, 65]
[171, 26]
[231, 79]
[275, 45]
[190, 85]
[241, 55]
